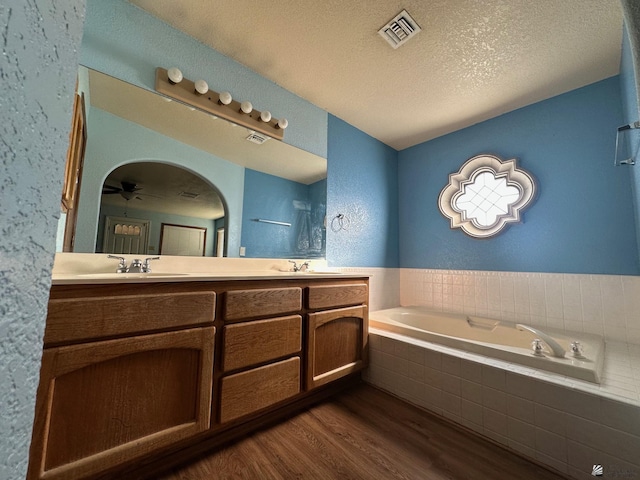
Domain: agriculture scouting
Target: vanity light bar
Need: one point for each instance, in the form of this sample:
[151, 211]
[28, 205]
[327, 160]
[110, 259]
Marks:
[219, 104]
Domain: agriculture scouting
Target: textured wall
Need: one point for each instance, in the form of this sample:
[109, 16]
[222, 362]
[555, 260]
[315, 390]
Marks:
[582, 220]
[39, 41]
[362, 184]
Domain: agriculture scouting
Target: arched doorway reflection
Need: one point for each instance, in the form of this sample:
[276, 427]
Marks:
[177, 211]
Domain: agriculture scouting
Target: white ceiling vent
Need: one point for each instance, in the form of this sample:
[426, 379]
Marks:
[400, 29]
[255, 137]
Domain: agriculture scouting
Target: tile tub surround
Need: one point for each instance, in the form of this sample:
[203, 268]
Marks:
[607, 305]
[566, 424]
[384, 285]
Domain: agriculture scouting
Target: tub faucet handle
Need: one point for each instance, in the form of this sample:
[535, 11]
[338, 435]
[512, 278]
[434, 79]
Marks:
[576, 349]
[555, 347]
[536, 345]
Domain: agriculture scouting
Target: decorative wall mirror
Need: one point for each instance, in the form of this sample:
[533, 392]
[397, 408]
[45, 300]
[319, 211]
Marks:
[486, 195]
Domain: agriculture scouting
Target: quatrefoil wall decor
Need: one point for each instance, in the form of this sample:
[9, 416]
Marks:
[485, 195]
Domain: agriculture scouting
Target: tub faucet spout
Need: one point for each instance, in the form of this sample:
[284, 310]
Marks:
[555, 347]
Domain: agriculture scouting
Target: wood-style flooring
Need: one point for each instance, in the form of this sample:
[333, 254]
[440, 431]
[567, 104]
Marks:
[362, 433]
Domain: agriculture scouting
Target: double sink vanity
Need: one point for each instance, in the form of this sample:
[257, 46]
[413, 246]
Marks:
[144, 370]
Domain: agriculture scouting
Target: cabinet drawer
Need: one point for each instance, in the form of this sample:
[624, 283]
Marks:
[250, 391]
[250, 343]
[97, 317]
[239, 304]
[323, 296]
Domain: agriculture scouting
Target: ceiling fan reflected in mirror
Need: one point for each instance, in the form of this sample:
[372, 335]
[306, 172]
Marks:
[128, 190]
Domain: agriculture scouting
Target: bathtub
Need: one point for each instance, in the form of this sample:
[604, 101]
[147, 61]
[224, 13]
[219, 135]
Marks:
[495, 338]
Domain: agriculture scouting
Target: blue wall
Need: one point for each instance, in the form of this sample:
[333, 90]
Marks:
[38, 67]
[363, 186]
[582, 220]
[279, 241]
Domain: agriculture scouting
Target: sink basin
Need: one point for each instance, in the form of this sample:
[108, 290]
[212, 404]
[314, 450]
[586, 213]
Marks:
[130, 275]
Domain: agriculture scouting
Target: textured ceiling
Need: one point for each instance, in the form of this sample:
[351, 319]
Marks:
[473, 59]
[158, 188]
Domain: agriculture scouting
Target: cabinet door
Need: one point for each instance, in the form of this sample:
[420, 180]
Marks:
[337, 341]
[101, 404]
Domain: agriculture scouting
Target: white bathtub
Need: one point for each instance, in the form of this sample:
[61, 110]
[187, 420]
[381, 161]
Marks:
[494, 338]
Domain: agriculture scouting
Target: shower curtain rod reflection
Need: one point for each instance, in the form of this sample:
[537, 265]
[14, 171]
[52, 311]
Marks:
[262, 220]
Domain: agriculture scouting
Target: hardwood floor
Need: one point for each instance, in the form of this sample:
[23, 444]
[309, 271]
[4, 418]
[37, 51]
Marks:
[362, 433]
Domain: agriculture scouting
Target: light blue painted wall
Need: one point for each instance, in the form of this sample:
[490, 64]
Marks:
[135, 144]
[362, 184]
[38, 67]
[157, 219]
[582, 220]
[278, 241]
[128, 43]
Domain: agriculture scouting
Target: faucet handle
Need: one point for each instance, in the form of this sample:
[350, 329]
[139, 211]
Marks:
[145, 266]
[299, 268]
[576, 348]
[536, 345]
[122, 266]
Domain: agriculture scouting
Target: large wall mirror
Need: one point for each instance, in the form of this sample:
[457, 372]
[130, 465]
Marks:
[187, 173]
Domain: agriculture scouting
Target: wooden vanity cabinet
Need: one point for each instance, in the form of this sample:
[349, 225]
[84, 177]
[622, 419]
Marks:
[137, 376]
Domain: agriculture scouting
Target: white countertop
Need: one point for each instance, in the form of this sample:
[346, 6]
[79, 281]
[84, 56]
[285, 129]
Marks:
[93, 268]
[107, 278]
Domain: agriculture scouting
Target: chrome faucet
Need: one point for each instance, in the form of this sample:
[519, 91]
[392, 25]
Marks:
[555, 347]
[137, 266]
[299, 268]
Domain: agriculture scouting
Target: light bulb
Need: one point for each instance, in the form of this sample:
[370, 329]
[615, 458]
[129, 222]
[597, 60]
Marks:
[201, 87]
[225, 98]
[175, 75]
[265, 116]
[283, 123]
[246, 107]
